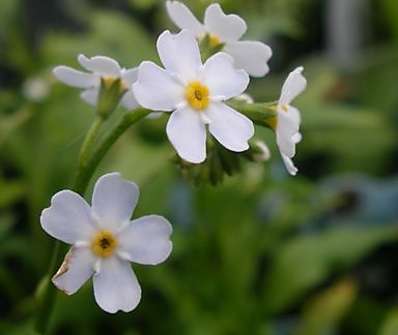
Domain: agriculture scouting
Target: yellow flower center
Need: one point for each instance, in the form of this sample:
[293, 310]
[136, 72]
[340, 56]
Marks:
[214, 40]
[104, 244]
[197, 95]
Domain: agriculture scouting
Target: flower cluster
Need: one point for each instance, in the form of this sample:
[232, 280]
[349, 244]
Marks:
[195, 91]
[201, 85]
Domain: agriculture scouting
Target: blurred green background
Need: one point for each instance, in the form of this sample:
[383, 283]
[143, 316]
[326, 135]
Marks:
[264, 253]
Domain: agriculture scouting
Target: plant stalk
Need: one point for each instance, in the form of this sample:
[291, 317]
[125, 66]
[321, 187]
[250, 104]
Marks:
[87, 167]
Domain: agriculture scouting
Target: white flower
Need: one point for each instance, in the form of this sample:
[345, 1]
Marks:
[104, 241]
[251, 56]
[288, 118]
[195, 93]
[98, 67]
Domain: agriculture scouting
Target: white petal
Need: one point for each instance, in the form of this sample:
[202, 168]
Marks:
[155, 89]
[187, 133]
[232, 129]
[227, 27]
[130, 76]
[289, 165]
[180, 54]
[294, 85]
[75, 78]
[100, 64]
[147, 240]
[222, 78]
[297, 138]
[116, 286]
[183, 17]
[114, 200]
[252, 56]
[68, 218]
[294, 114]
[77, 268]
[287, 127]
[129, 101]
[90, 96]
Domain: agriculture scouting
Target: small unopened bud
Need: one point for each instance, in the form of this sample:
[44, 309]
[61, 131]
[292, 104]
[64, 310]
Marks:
[209, 45]
[258, 152]
[245, 98]
[111, 91]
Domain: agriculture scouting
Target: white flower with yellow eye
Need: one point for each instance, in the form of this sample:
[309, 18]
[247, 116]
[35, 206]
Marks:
[195, 93]
[104, 241]
[251, 56]
[288, 118]
[98, 67]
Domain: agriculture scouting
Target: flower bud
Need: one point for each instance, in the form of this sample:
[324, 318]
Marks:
[258, 152]
[111, 91]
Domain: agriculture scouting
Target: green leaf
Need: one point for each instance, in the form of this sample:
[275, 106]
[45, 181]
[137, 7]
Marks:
[323, 313]
[390, 326]
[306, 261]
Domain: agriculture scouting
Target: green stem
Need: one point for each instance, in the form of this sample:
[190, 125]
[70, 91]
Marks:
[90, 139]
[260, 113]
[87, 167]
[84, 175]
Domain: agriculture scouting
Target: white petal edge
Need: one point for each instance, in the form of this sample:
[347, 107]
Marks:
[146, 240]
[90, 96]
[286, 129]
[252, 56]
[290, 167]
[156, 89]
[100, 64]
[187, 133]
[114, 200]
[129, 101]
[180, 54]
[75, 78]
[232, 129]
[116, 287]
[183, 17]
[228, 27]
[77, 268]
[222, 78]
[294, 85]
[130, 76]
[69, 218]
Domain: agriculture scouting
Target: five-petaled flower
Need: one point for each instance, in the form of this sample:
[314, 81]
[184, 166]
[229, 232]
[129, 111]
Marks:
[195, 93]
[288, 118]
[98, 67]
[105, 241]
[251, 56]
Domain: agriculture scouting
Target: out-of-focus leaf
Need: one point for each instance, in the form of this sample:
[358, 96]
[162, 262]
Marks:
[10, 192]
[390, 326]
[306, 261]
[16, 328]
[324, 312]
[390, 10]
[109, 33]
